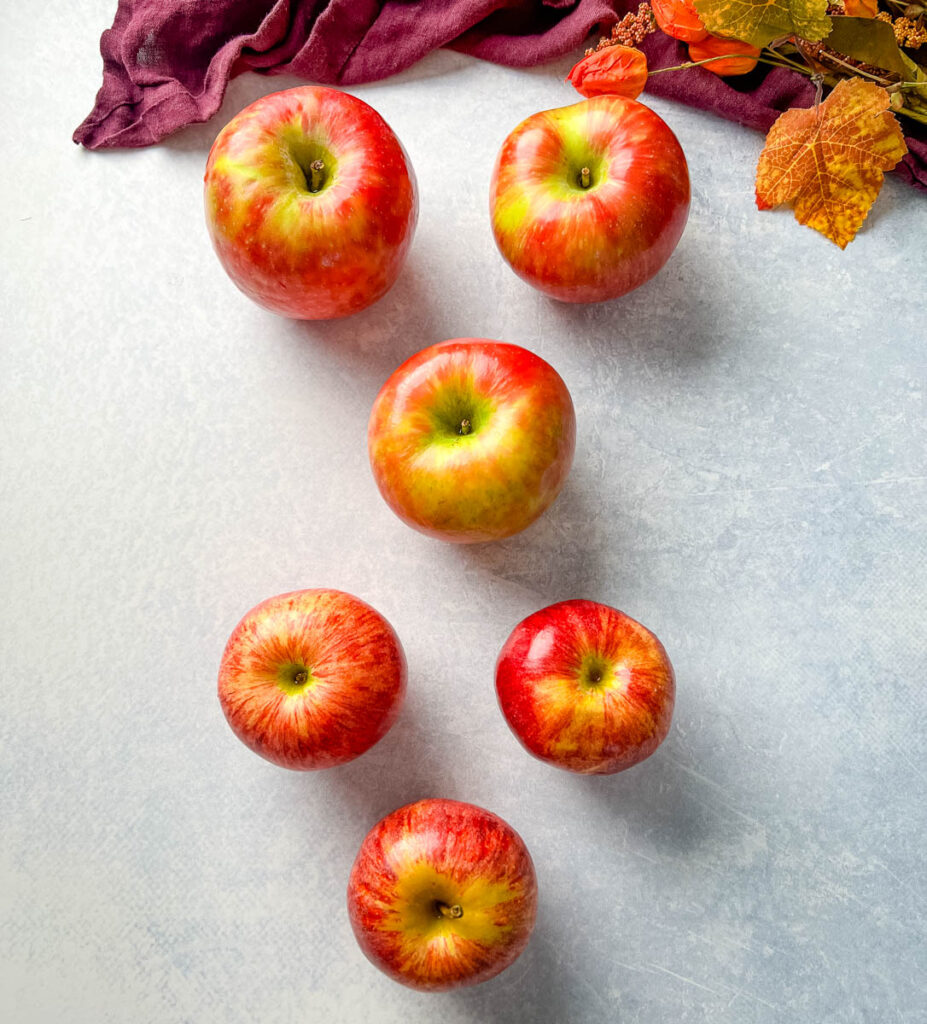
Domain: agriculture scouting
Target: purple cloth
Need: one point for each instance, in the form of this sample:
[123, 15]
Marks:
[166, 63]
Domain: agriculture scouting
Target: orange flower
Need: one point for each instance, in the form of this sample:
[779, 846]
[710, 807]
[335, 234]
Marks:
[713, 46]
[861, 8]
[679, 19]
[615, 70]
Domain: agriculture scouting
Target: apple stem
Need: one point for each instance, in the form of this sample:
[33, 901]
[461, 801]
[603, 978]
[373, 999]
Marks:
[316, 170]
[450, 912]
[465, 428]
[585, 177]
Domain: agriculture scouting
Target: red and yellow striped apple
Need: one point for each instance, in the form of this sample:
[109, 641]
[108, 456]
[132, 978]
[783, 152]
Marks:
[471, 440]
[442, 894]
[312, 678]
[311, 203]
[589, 201]
[585, 687]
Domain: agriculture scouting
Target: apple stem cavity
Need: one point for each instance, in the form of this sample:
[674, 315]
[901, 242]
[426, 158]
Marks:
[451, 913]
[465, 428]
[585, 178]
[316, 175]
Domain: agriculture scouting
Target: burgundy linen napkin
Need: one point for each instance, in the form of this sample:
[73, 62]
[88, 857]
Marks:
[166, 63]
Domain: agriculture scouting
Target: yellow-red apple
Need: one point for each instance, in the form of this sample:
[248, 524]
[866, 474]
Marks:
[471, 439]
[589, 201]
[311, 203]
[312, 678]
[585, 687]
[442, 894]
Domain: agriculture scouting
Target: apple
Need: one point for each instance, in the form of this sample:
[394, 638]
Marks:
[312, 678]
[442, 894]
[585, 687]
[471, 440]
[311, 203]
[588, 201]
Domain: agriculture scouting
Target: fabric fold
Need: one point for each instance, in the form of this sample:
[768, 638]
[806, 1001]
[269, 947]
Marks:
[166, 63]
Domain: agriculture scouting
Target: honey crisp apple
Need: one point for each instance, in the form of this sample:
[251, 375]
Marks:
[442, 894]
[311, 203]
[312, 678]
[585, 687]
[471, 439]
[588, 201]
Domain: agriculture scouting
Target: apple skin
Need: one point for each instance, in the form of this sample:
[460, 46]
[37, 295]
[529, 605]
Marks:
[416, 869]
[596, 243]
[355, 678]
[498, 478]
[310, 255]
[585, 687]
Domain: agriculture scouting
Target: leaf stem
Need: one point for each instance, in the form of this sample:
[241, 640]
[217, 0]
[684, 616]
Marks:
[913, 114]
[726, 56]
[855, 70]
[793, 64]
[898, 86]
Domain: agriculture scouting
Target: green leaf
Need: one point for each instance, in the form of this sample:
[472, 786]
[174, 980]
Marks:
[873, 42]
[760, 21]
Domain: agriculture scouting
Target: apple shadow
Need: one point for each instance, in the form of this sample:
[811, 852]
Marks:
[660, 799]
[657, 798]
[406, 765]
[562, 555]
[670, 320]
[372, 343]
[539, 988]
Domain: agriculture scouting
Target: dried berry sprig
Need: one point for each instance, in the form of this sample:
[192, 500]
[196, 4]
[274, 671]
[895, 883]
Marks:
[909, 32]
[631, 30]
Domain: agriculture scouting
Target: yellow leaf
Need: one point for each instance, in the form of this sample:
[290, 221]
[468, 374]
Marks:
[829, 160]
[760, 21]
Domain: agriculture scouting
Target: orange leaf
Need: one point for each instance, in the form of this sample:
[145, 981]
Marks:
[613, 69]
[861, 8]
[743, 56]
[829, 160]
[679, 19]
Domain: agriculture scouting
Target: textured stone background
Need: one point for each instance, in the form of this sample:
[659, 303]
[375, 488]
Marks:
[749, 482]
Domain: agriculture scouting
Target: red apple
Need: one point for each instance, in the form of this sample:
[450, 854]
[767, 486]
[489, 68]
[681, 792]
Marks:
[589, 201]
[310, 202]
[442, 894]
[471, 440]
[312, 679]
[585, 687]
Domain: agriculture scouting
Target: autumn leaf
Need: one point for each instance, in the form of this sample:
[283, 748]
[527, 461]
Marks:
[829, 160]
[760, 21]
[873, 42]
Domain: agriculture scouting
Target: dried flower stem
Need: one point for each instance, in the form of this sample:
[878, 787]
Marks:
[729, 56]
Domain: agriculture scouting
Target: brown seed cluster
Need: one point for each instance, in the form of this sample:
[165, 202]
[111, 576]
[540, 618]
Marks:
[824, 60]
[632, 30]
